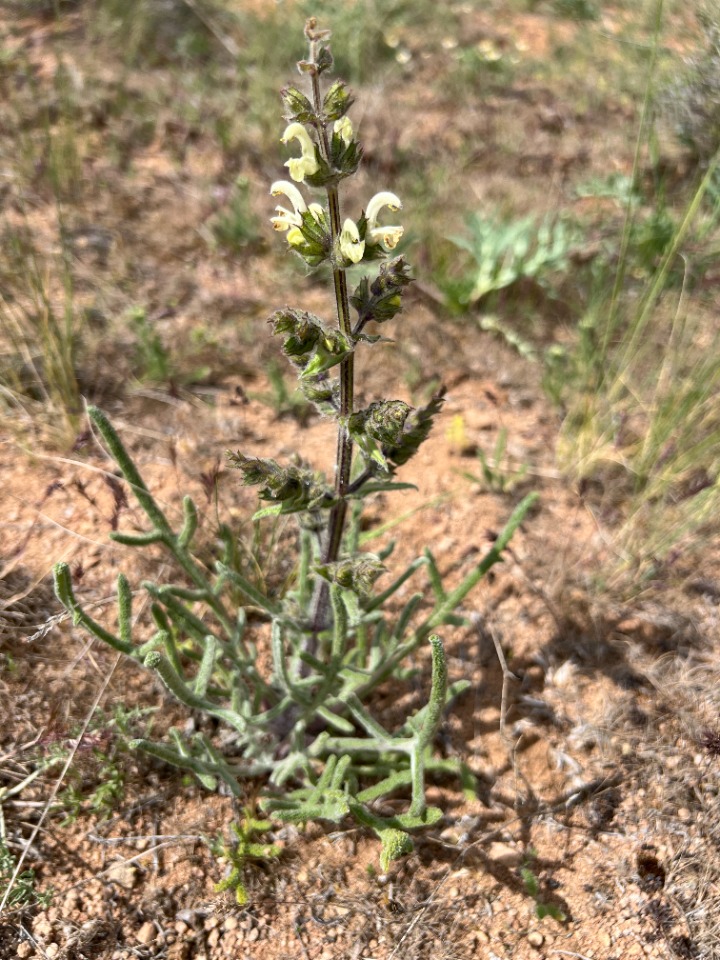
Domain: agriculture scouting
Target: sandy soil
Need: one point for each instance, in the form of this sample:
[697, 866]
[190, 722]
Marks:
[596, 754]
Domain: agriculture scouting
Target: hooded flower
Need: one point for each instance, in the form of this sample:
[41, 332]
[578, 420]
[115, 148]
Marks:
[305, 165]
[285, 219]
[289, 220]
[351, 246]
[388, 236]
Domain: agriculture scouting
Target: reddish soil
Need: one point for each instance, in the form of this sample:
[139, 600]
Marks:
[598, 803]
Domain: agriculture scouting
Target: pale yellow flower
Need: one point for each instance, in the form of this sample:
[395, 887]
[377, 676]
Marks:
[317, 211]
[305, 165]
[295, 237]
[388, 236]
[344, 128]
[285, 218]
[351, 246]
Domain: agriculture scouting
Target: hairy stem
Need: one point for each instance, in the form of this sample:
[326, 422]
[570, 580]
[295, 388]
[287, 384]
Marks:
[344, 452]
[433, 716]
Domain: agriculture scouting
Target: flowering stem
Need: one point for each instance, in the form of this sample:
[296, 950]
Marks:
[344, 453]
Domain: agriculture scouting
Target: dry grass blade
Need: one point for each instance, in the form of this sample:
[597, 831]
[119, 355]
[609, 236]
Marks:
[58, 783]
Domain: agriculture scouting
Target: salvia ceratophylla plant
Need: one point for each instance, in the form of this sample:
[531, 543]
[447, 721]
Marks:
[304, 723]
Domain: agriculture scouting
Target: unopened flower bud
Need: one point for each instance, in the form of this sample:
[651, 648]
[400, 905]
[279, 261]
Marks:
[351, 246]
[337, 101]
[385, 421]
[357, 573]
[298, 107]
[344, 129]
[318, 212]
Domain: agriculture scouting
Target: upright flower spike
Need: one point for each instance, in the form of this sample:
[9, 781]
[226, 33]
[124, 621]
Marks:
[306, 164]
[351, 246]
[388, 236]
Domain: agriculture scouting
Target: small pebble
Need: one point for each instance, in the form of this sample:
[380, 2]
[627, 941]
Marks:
[230, 947]
[536, 939]
[504, 854]
[125, 875]
[146, 934]
[42, 927]
[71, 902]
[450, 835]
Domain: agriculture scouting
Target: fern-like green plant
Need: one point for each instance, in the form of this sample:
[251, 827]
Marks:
[303, 724]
